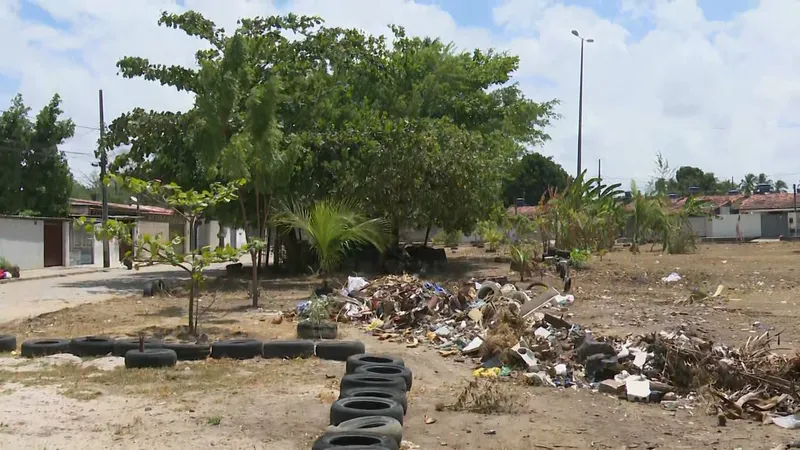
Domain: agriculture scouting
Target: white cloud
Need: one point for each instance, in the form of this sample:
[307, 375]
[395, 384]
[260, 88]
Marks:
[704, 93]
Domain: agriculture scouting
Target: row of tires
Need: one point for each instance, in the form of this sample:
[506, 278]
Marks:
[371, 407]
[234, 348]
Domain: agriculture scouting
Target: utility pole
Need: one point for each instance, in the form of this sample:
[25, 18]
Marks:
[580, 100]
[599, 177]
[103, 187]
[794, 191]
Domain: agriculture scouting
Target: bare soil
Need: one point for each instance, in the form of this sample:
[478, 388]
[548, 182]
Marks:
[270, 404]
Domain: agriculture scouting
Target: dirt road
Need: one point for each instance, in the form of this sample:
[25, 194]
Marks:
[28, 298]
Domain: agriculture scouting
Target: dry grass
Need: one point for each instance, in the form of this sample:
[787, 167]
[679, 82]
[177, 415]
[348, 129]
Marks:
[487, 397]
[210, 375]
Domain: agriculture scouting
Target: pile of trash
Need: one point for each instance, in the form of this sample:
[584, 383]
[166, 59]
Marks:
[526, 334]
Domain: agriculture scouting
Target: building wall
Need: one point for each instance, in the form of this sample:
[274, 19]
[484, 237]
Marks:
[154, 228]
[22, 242]
[700, 225]
[113, 250]
[724, 226]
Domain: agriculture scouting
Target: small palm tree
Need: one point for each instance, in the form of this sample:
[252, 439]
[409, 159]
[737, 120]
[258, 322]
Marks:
[333, 228]
[781, 186]
[748, 184]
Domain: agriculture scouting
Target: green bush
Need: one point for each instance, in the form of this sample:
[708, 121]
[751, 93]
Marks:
[448, 238]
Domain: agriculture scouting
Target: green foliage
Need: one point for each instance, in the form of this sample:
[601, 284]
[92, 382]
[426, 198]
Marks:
[523, 258]
[586, 215]
[531, 177]
[90, 188]
[333, 228]
[319, 309]
[490, 234]
[579, 259]
[448, 238]
[332, 112]
[35, 175]
[189, 204]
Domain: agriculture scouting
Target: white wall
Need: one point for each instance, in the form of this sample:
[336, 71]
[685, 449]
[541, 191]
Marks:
[22, 242]
[66, 241]
[724, 226]
[700, 225]
[113, 250]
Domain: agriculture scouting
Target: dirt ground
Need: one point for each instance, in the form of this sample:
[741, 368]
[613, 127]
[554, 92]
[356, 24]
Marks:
[284, 405]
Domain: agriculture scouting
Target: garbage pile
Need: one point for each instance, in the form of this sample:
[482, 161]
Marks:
[526, 334]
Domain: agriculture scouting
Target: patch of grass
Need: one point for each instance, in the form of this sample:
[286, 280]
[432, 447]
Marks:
[214, 420]
[81, 394]
[485, 397]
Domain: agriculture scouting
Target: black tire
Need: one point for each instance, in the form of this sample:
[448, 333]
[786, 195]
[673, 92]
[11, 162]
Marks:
[392, 394]
[188, 351]
[91, 346]
[148, 289]
[356, 361]
[44, 347]
[237, 349]
[150, 358]
[380, 425]
[353, 407]
[323, 330]
[339, 350]
[8, 343]
[288, 349]
[388, 370]
[362, 380]
[354, 439]
[122, 346]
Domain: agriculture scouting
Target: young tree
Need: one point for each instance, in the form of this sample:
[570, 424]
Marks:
[189, 204]
[36, 178]
[333, 228]
[531, 177]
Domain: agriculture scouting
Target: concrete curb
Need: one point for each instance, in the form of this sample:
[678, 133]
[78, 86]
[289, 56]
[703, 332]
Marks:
[55, 275]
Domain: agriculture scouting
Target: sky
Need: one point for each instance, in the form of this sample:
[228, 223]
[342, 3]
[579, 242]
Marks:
[708, 83]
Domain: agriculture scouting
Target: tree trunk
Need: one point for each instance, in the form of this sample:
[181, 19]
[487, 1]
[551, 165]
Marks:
[427, 235]
[192, 324]
[267, 248]
[254, 279]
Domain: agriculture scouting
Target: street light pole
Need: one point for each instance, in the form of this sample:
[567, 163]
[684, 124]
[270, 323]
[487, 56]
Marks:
[580, 99]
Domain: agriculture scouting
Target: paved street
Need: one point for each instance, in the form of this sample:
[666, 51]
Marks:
[25, 298]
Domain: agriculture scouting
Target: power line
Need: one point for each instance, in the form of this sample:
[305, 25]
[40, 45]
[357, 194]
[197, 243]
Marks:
[68, 152]
[86, 127]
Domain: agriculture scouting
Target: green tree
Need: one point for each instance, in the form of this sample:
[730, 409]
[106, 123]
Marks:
[748, 184]
[333, 228]
[781, 186]
[36, 178]
[531, 177]
[90, 188]
[189, 204]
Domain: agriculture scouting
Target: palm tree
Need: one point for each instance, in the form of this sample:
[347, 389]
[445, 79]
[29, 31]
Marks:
[748, 184]
[763, 179]
[333, 228]
[646, 213]
[781, 186]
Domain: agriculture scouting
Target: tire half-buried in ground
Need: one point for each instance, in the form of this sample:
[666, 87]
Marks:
[189, 351]
[8, 343]
[295, 348]
[122, 346]
[339, 350]
[150, 358]
[353, 407]
[91, 346]
[237, 349]
[307, 329]
[381, 425]
[44, 347]
[354, 440]
[365, 380]
[356, 361]
[388, 370]
[393, 394]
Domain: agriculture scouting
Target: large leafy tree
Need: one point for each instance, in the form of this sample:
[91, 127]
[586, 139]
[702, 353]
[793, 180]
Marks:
[531, 177]
[36, 178]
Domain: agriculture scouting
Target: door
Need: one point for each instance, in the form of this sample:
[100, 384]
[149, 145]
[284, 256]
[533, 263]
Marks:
[53, 244]
[774, 225]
